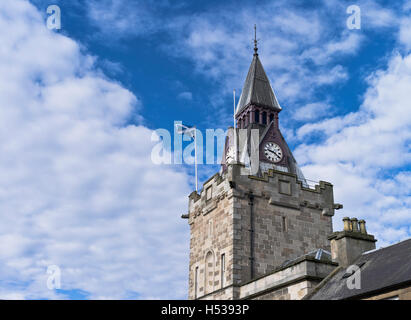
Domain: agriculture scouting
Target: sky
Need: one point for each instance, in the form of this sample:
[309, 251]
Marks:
[79, 107]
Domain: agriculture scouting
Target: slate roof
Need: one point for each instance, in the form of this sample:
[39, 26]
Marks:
[383, 269]
[257, 88]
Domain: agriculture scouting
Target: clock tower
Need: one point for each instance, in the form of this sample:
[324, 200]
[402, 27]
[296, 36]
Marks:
[254, 216]
[258, 109]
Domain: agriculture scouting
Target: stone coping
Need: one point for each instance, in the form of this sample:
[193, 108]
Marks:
[284, 276]
[350, 234]
[292, 263]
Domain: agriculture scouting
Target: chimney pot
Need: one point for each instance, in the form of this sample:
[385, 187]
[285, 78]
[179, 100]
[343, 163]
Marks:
[347, 224]
[362, 226]
[354, 223]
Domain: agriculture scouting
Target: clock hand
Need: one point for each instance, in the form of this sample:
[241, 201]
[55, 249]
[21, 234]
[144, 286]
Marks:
[274, 153]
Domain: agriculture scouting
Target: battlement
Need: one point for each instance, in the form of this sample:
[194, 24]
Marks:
[286, 183]
[250, 225]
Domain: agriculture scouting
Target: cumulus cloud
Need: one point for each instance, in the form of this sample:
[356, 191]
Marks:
[404, 35]
[303, 51]
[363, 149]
[377, 16]
[348, 44]
[219, 43]
[78, 188]
[364, 153]
[312, 111]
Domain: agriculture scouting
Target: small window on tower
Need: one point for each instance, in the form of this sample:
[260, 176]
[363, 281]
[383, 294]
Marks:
[257, 116]
[284, 224]
[271, 117]
[264, 117]
[195, 283]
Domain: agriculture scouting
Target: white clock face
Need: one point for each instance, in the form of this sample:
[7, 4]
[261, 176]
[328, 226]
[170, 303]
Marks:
[273, 152]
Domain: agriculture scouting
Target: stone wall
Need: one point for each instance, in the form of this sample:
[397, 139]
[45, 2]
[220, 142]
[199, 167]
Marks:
[292, 292]
[288, 221]
[211, 224]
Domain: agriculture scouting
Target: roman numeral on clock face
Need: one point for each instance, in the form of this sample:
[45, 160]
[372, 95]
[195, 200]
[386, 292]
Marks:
[273, 152]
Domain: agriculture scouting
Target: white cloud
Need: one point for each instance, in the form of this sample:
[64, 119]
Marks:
[362, 148]
[335, 75]
[347, 45]
[220, 46]
[377, 16]
[404, 35]
[328, 126]
[186, 95]
[312, 111]
[78, 187]
[122, 18]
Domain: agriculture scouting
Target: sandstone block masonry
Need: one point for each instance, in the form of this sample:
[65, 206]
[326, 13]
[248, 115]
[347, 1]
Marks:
[243, 227]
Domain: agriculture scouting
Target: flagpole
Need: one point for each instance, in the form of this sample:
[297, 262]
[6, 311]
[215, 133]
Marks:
[235, 131]
[195, 156]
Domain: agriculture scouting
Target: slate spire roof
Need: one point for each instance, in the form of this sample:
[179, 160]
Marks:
[257, 88]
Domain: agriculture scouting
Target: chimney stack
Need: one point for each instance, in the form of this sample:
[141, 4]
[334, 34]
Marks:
[349, 244]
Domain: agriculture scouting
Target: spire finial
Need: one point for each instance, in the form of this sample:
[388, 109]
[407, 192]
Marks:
[255, 41]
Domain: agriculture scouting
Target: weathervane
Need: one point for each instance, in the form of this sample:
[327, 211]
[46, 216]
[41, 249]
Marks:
[255, 40]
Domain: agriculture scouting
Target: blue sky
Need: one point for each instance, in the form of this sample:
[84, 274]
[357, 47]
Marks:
[78, 108]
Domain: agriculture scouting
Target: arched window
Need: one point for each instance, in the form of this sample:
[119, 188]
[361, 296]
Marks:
[264, 117]
[257, 116]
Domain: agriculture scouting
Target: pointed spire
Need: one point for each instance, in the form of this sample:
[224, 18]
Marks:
[257, 89]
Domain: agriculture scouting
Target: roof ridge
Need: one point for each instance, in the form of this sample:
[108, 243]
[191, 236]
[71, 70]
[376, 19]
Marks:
[387, 247]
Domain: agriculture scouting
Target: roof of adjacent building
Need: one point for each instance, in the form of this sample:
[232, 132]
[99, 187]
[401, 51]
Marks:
[381, 270]
[257, 89]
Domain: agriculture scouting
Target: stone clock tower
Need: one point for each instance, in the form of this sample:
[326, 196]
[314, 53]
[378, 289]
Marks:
[244, 224]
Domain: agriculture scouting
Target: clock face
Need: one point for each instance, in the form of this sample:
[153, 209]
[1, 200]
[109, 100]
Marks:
[273, 152]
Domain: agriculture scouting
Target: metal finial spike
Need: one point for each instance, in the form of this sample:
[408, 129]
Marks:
[255, 40]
